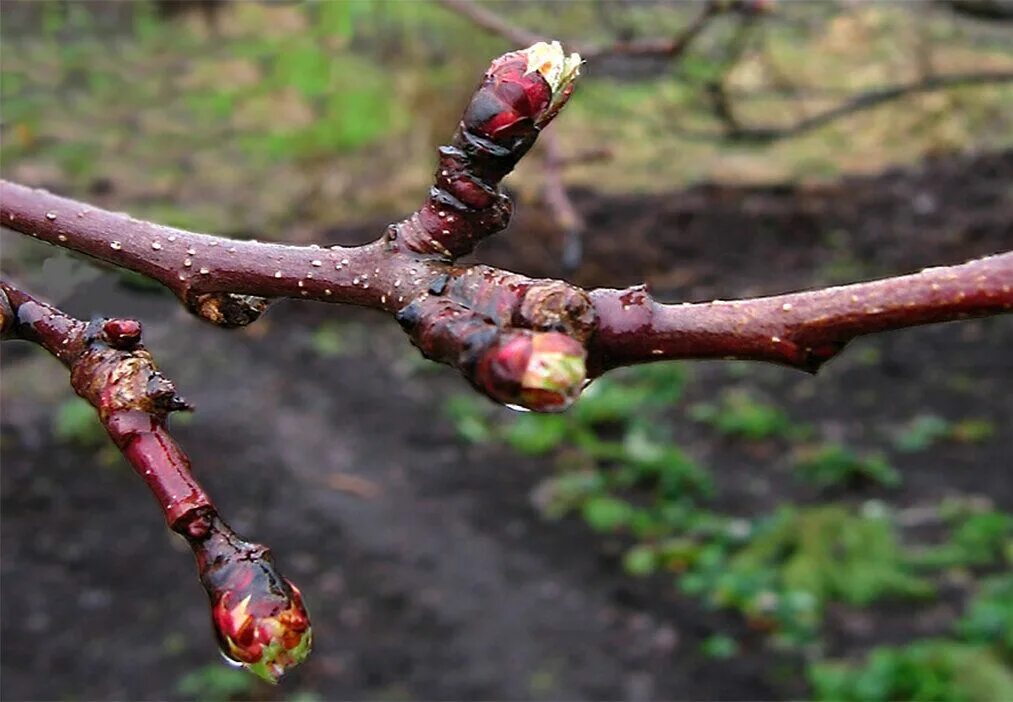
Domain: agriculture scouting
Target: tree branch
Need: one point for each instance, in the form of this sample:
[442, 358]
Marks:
[259, 617]
[669, 47]
[802, 330]
[567, 218]
[735, 129]
[517, 339]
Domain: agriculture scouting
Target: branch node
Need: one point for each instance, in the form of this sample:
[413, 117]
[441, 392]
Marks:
[553, 305]
[229, 310]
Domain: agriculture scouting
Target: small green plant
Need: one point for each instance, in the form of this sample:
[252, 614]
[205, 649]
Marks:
[977, 539]
[989, 616]
[216, 683]
[795, 561]
[921, 433]
[926, 671]
[972, 431]
[925, 431]
[328, 341]
[741, 415]
[469, 419]
[720, 646]
[76, 423]
[829, 465]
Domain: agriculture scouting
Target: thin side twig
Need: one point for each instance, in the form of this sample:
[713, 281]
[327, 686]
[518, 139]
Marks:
[735, 128]
[258, 614]
[666, 47]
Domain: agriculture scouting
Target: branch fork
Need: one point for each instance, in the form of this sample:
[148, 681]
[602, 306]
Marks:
[521, 341]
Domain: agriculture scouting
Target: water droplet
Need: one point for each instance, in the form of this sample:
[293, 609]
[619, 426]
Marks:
[115, 246]
[204, 271]
[230, 661]
[315, 262]
[171, 237]
[50, 216]
[515, 408]
[62, 237]
[156, 245]
[277, 274]
[786, 307]
[191, 251]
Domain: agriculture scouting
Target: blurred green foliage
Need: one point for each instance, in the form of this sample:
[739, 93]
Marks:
[832, 464]
[989, 616]
[796, 561]
[217, 683]
[976, 538]
[327, 341]
[739, 414]
[623, 473]
[926, 671]
[75, 422]
[926, 430]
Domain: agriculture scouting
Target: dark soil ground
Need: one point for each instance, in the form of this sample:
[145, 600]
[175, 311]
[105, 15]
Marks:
[428, 572]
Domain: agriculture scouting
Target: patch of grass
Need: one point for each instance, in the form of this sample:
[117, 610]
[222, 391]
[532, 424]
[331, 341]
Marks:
[927, 671]
[76, 423]
[927, 430]
[469, 418]
[921, 433]
[976, 539]
[625, 478]
[989, 616]
[216, 683]
[328, 341]
[830, 465]
[798, 559]
[741, 415]
[720, 646]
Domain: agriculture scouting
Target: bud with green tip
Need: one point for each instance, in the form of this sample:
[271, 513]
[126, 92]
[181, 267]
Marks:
[258, 615]
[541, 371]
[267, 632]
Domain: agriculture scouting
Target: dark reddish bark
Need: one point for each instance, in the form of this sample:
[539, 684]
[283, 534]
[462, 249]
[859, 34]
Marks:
[802, 330]
[269, 632]
[501, 123]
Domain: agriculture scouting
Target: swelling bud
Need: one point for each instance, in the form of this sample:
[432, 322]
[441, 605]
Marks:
[541, 371]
